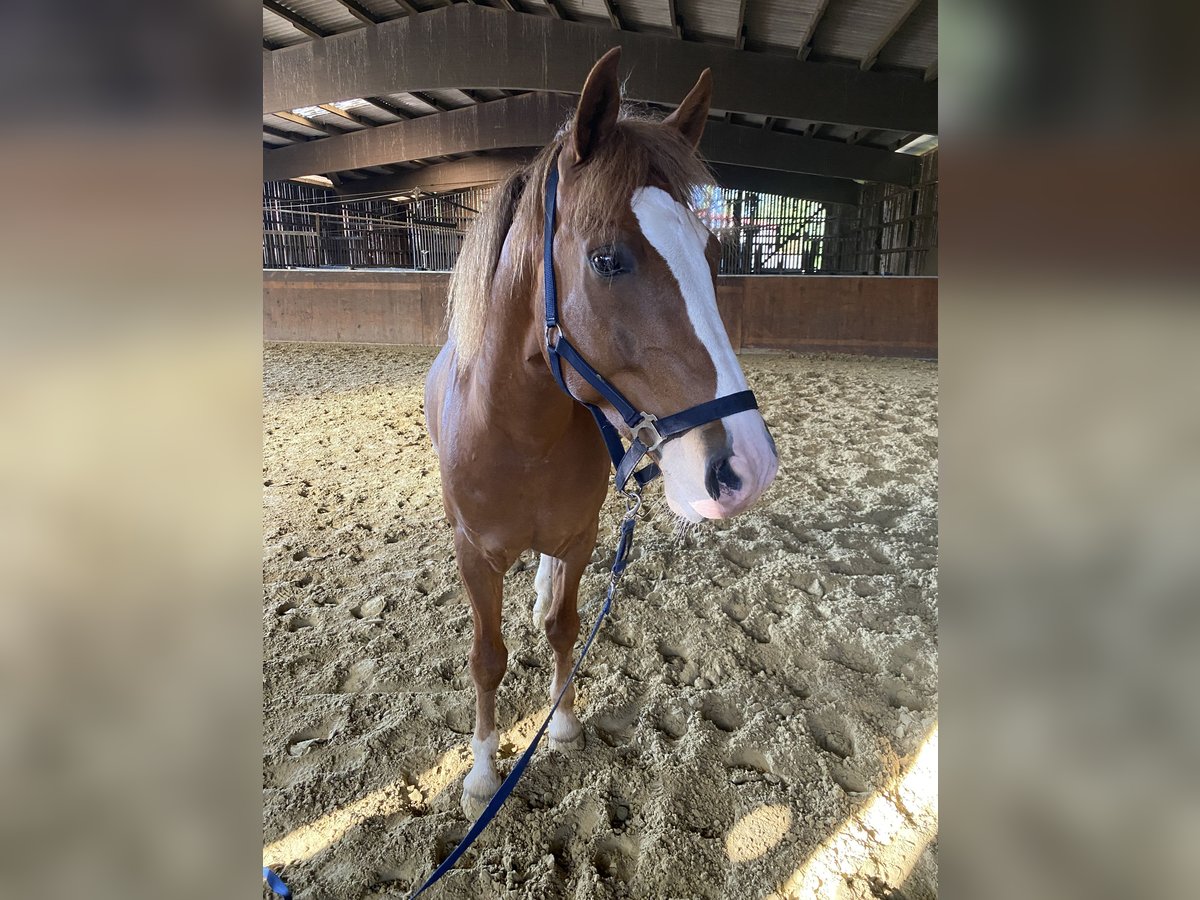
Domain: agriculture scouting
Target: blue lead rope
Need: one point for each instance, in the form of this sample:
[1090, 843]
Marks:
[618, 569]
[493, 807]
[275, 883]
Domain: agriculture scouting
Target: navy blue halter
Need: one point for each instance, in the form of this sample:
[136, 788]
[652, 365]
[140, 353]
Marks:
[649, 432]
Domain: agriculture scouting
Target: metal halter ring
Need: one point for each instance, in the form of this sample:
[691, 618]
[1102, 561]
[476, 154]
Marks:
[556, 332]
[633, 502]
[646, 423]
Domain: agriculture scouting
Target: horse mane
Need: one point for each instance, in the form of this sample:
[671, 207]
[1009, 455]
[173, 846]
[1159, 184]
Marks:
[639, 151]
[471, 280]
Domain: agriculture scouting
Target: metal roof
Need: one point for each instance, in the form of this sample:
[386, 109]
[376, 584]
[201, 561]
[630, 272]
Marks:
[839, 30]
[896, 36]
[916, 43]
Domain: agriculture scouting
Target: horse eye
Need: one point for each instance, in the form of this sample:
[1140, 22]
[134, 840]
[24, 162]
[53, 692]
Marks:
[606, 263]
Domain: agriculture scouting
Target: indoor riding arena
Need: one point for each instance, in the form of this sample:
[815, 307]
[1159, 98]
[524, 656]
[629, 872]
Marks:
[760, 707]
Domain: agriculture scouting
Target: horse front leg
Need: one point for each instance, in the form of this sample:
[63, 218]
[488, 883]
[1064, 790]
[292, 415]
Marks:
[489, 659]
[562, 629]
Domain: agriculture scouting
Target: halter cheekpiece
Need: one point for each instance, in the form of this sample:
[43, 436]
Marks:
[649, 432]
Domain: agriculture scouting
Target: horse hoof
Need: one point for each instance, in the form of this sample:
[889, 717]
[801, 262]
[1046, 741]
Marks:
[473, 806]
[575, 743]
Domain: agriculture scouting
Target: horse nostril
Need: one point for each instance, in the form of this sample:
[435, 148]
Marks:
[720, 475]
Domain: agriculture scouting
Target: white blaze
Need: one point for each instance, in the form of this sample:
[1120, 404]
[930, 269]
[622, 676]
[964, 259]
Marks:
[681, 238]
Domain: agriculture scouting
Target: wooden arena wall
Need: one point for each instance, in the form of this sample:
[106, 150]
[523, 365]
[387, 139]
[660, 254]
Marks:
[877, 316]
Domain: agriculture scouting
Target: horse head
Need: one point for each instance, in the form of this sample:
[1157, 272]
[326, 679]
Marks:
[637, 286]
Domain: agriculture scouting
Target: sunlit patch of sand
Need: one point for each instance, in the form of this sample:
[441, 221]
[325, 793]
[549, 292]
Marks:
[310, 839]
[879, 843]
[757, 832]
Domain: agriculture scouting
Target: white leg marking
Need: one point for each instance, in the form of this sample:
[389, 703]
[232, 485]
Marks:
[543, 583]
[565, 731]
[482, 781]
[564, 727]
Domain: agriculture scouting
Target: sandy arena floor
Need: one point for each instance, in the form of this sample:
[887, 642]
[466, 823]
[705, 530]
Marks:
[760, 711]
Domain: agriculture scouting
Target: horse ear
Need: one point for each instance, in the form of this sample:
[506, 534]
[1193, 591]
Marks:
[692, 113]
[599, 104]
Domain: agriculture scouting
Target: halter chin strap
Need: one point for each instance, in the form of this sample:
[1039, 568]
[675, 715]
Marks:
[649, 432]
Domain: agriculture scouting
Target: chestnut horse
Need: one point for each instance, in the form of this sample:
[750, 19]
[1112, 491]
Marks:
[522, 463]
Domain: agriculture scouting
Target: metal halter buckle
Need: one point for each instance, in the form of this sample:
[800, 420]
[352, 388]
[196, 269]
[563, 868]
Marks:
[553, 331]
[633, 502]
[646, 423]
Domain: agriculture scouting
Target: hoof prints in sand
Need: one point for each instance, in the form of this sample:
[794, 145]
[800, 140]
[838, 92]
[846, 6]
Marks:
[780, 661]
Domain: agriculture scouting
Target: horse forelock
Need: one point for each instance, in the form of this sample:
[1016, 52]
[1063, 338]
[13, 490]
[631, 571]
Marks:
[639, 152]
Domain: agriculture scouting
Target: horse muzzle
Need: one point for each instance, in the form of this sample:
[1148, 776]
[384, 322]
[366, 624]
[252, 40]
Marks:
[705, 482]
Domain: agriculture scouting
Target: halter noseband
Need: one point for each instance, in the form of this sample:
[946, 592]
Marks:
[649, 432]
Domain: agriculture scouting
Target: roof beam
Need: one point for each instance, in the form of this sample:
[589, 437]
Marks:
[872, 56]
[532, 120]
[739, 35]
[788, 184]
[360, 12]
[286, 135]
[346, 114]
[489, 169]
[613, 18]
[553, 7]
[526, 121]
[450, 176]
[806, 42]
[309, 123]
[430, 100]
[753, 147]
[673, 13]
[410, 53]
[391, 108]
[296, 20]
